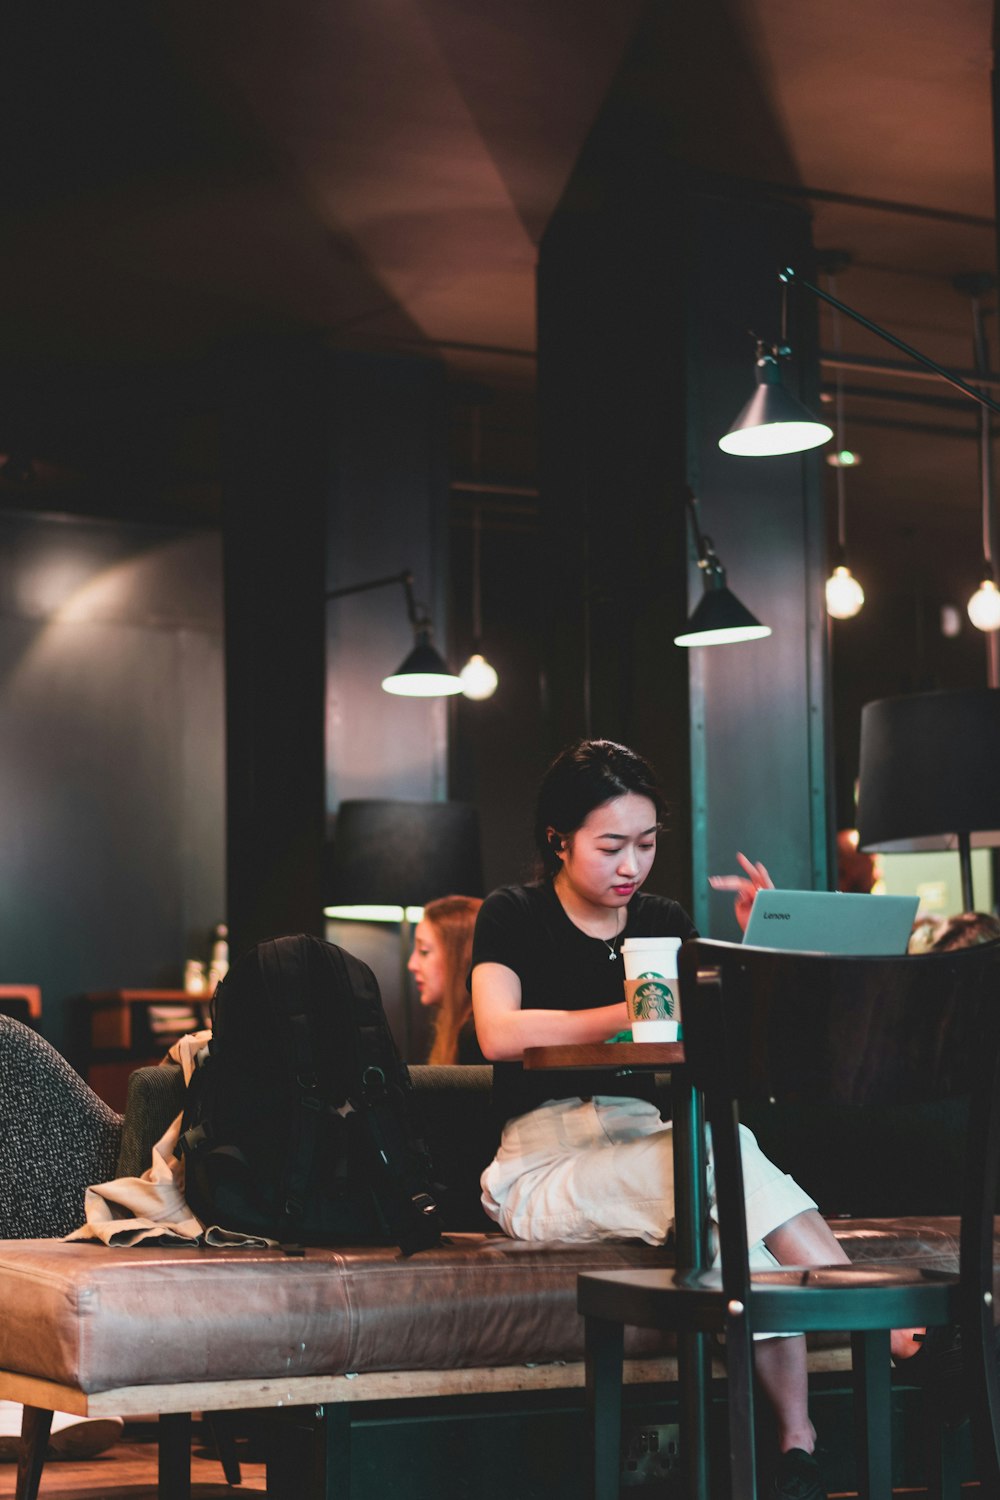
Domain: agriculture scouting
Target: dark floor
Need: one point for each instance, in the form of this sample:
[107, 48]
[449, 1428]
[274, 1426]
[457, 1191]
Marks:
[128, 1472]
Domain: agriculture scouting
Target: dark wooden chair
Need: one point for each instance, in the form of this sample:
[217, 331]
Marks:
[778, 1030]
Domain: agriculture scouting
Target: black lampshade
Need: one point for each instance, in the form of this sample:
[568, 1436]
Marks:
[397, 853]
[930, 771]
[773, 421]
[718, 619]
[424, 673]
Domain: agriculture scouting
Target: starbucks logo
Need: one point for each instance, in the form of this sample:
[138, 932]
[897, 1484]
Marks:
[654, 1000]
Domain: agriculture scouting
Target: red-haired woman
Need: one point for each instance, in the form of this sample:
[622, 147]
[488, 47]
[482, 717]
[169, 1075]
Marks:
[439, 963]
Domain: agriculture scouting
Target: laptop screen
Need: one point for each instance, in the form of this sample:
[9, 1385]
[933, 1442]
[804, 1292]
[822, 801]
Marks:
[831, 922]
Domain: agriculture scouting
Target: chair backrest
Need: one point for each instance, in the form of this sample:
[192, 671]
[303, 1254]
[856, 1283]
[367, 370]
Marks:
[854, 1073]
[453, 1108]
[154, 1097]
[56, 1137]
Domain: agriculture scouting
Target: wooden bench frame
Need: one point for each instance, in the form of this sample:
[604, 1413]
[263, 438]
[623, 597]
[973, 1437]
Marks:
[173, 1404]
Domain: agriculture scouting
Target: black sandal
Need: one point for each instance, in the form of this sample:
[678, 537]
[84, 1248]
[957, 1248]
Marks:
[797, 1477]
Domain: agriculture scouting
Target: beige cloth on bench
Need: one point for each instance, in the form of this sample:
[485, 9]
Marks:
[152, 1208]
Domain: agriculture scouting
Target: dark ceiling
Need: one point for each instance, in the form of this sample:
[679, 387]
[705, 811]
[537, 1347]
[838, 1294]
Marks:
[179, 176]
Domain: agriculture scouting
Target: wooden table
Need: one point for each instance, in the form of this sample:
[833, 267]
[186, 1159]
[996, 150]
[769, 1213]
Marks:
[120, 1036]
[628, 1056]
[690, 1208]
[119, 1019]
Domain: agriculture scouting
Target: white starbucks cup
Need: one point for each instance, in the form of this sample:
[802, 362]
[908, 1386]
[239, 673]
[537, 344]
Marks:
[652, 995]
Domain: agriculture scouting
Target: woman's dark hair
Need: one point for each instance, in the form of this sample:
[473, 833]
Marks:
[581, 778]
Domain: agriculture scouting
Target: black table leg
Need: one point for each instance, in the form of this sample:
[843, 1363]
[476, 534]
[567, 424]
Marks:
[873, 1412]
[691, 1240]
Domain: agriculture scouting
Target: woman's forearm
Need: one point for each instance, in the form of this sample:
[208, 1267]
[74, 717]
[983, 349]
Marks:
[504, 1035]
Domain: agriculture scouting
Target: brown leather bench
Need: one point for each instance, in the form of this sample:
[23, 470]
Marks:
[97, 1331]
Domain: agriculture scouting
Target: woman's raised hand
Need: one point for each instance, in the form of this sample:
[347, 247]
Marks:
[744, 887]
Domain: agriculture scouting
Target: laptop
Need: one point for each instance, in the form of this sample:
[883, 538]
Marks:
[831, 922]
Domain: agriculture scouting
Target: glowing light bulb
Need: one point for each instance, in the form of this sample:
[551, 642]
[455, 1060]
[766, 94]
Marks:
[984, 606]
[844, 594]
[479, 680]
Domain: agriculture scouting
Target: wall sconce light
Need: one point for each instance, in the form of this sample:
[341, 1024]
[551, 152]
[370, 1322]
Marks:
[424, 673]
[718, 618]
[773, 421]
[773, 435]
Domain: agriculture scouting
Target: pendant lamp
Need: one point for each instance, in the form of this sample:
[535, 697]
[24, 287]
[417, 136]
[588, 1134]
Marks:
[773, 421]
[844, 594]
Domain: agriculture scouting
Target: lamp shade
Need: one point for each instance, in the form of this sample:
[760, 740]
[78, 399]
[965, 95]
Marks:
[424, 673]
[396, 853]
[928, 776]
[773, 421]
[718, 619]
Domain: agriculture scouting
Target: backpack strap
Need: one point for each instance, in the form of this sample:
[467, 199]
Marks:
[400, 1165]
[284, 966]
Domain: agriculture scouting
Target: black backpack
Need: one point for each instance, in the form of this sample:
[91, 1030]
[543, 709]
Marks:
[298, 1125]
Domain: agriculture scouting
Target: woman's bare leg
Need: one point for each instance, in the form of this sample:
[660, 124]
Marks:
[807, 1240]
[781, 1369]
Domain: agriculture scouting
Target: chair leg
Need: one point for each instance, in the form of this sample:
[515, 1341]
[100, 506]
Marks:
[873, 1413]
[604, 1345]
[36, 1424]
[943, 1479]
[174, 1444]
[739, 1386]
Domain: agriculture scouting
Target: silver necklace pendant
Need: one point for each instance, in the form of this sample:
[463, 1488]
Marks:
[612, 955]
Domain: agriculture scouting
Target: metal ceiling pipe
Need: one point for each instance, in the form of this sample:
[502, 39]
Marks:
[893, 368]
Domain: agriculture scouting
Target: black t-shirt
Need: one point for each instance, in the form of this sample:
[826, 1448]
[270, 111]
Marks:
[469, 1050]
[525, 928]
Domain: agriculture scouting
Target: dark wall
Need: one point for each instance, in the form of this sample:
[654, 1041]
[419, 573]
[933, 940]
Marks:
[649, 280]
[498, 748]
[760, 722]
[611, 393]
[111, 758]
[385, 510]
[276, 476]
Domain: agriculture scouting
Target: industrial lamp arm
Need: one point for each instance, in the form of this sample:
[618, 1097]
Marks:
[424, 673]
[404, 579]
[791, 278]
[708, 559]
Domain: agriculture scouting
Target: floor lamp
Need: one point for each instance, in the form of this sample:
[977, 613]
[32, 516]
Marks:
[929, 777]
[389, 857]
